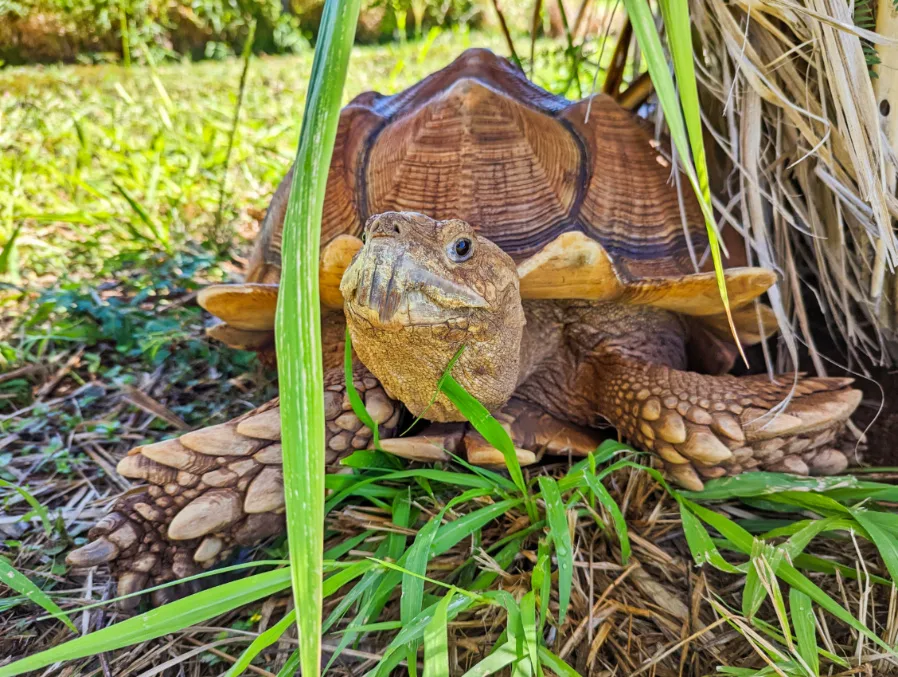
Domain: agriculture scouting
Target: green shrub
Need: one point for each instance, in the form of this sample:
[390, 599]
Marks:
[137, 30]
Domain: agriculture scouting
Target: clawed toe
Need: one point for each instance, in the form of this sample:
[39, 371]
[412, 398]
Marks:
[805, 414]
[93, 554]
[700, 438]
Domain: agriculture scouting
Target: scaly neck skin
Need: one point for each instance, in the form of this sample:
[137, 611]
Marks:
[570, 349]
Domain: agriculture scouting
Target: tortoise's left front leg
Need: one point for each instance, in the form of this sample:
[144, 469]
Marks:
[711, 426]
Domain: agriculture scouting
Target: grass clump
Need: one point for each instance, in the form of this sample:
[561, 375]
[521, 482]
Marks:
[422, 564]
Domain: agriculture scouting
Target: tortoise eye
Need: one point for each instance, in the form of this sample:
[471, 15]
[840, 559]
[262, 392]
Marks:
[461, 249]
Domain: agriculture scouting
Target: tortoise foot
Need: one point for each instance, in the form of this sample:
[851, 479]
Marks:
[705, 427]
[212, 490]
[134, 541]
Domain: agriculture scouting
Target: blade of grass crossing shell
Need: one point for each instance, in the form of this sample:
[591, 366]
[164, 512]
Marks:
[298, 335]
[264, 640]
[680, 42]
[36, 505]
[678, 29]
[560, 534]
[436, 641]
[23, 585]
[802, 613]
[161, 621]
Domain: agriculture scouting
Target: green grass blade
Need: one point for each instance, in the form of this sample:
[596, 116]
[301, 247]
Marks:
[7, 252]
[264, 640]
[143, 215]
[357, 487]
[412, 631]
[358, 407]
[436, 641]
[503, 656]
[882, 534]
[802, 538]
[23, 585]
[560, 534]
[541, 580]
[678, 29]
[617, 517]
[752, 484]
[753, 592]
[162, 621]
[291, 666]
[35, 504]
[802, 613]
[450, 534]
[701, 546]
[556, 664]
[743, 540]
[416, 562]
[492, 432]
[298, 325]
[528, 620]
[680, 41]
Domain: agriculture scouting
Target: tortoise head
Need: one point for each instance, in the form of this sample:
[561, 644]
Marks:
[417, 292]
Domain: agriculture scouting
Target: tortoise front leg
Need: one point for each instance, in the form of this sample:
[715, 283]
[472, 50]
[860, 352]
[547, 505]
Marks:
[216, 488]
[534, 432]
[711, 426]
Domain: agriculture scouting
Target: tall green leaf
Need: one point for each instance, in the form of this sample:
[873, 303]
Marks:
[492, 432]
[298, 325]
[802, 613]
[684, 123]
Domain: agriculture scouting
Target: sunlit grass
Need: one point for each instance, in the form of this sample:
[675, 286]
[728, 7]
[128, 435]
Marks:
[469, 504]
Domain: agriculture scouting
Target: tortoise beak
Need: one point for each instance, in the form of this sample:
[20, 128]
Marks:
[387, 284]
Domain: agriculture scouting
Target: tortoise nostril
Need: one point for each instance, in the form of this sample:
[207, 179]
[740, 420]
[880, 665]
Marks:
[385, 226]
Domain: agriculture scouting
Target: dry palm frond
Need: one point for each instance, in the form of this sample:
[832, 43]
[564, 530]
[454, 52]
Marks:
[790, 101]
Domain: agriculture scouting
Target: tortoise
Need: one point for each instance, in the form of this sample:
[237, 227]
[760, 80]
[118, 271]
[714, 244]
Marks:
[476, 209]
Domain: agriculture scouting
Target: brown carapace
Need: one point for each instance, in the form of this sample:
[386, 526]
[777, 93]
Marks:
[545, 235]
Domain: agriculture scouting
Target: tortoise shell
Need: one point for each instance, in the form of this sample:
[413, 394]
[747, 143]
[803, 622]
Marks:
[478, 141]
[576, 192]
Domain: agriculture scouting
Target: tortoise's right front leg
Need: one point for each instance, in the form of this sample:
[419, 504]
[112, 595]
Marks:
[216, 488]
